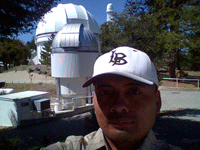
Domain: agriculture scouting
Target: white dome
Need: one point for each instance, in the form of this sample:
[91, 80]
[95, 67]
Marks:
[75, 37]
[55, 19]
[109, 8]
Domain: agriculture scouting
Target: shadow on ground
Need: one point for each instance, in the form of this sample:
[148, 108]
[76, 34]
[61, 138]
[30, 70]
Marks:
[42, 134]
[179, 132]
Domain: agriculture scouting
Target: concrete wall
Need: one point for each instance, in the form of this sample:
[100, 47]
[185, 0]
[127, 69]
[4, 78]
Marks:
[8, 113]
[19, 107]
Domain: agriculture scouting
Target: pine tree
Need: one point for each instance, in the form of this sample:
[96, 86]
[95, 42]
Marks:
[13, 52]
[46, 52]
[168, 31]
[21, 16]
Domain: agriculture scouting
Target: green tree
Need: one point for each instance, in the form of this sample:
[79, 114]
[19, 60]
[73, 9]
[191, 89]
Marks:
[178, 22]
[46, 52]
[110, 36]
[31, 44]
[129, 30]
[13, 53]
[140, 33]
[20, 16]
[194, 54]
[193, 37]
[163, 29]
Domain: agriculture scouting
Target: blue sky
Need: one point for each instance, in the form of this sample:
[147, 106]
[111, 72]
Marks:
[96, 7]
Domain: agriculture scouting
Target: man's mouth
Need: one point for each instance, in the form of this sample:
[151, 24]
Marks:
[121, 123]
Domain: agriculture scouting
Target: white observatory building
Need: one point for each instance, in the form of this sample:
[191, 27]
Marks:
[74, 50]
[110, 12]
[54, 20]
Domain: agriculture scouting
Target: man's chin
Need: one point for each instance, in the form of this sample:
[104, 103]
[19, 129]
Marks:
[119, 133]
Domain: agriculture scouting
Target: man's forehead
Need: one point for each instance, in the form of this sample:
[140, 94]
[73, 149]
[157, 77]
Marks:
[112, 78]
[109, 80]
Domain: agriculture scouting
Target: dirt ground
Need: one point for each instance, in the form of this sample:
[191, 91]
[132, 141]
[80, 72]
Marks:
[183, 83]
[51, 88]
[19, 79]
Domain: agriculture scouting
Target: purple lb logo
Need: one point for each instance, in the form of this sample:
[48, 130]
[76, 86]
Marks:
[117, 58]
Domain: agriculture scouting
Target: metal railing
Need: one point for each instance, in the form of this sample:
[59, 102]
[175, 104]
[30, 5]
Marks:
[177, 79]
[82, 101]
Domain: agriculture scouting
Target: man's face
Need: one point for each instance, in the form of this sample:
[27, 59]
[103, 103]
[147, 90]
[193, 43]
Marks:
[125, 109]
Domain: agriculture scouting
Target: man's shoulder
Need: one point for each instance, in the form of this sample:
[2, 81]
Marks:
[72, 142]
[95, 140]
[152, 143]
[160, 145]
[76, 142]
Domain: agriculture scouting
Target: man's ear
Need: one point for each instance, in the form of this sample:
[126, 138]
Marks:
[94, 100]
[158, 102]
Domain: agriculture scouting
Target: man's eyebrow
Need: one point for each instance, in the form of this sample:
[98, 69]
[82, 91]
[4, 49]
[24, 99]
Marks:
[103, 85]
[135, 84]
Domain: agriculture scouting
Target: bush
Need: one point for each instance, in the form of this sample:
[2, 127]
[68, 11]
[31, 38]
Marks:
[37, 69]
[23, 68]
[30, 70]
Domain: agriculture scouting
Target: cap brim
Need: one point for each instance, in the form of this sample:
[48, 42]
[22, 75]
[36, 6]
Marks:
[131, 76]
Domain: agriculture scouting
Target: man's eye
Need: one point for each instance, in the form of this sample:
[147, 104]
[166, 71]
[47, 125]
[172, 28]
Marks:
[106, 92]
[134, 91]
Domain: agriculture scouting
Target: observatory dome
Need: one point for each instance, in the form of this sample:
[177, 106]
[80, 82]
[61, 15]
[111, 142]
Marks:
[109, 8]
[57, 17]
[75, 37]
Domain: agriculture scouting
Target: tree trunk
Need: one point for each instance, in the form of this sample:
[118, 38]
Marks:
[172, 72]
[178, 60]
[5, 66]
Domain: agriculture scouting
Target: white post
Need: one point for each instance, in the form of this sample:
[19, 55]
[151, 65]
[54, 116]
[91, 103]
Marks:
[176, 82]
[198, 83]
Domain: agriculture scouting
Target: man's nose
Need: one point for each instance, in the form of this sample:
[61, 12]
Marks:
[120, 105]
[119, 109]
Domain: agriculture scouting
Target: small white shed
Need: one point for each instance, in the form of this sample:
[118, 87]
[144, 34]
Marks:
[24, 106]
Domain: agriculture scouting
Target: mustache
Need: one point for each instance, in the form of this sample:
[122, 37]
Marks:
[118, 116]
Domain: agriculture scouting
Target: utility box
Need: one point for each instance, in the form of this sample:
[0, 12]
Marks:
[42, 104]
[24, 106]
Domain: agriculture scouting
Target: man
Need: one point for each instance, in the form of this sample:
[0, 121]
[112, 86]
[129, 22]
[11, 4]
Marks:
[126, 102]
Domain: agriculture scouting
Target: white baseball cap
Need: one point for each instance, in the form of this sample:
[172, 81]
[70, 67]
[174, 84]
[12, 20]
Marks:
[128, 62]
